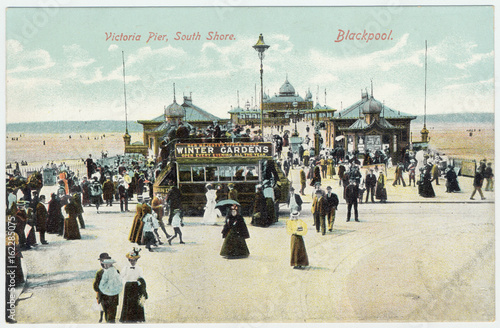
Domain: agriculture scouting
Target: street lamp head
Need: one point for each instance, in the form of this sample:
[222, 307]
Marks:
[260, 46]
[295, 104]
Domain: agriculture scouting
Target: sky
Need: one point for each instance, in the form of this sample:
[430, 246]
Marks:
[61, 63]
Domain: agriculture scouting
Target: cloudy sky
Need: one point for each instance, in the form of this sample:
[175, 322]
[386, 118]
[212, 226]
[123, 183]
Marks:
[61, 65]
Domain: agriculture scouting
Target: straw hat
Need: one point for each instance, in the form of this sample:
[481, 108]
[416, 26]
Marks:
[133, 255]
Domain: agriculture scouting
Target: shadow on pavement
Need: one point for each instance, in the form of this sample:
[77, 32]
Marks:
[57, 278]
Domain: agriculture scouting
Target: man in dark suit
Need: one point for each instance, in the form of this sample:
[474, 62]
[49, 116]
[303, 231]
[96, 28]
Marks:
[318, 211]
[351, 197]
[331, 203]
[370, 183]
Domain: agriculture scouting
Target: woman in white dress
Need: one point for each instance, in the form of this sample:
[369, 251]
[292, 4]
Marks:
[134, 293]
[211, 213]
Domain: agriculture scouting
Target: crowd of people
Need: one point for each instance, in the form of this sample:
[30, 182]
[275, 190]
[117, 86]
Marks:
[122, 179]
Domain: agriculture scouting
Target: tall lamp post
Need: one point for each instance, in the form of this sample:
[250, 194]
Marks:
[260, 46]
[295, 104]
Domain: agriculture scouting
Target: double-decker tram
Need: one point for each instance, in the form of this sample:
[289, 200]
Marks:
[243, 164]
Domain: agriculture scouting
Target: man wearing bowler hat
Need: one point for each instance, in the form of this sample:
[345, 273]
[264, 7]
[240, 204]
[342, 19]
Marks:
[107, 287]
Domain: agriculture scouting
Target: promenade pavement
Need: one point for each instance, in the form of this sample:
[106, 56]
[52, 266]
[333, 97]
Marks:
[409, 260]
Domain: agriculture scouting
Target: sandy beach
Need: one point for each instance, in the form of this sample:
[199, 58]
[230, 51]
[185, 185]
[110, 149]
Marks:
[449, 139]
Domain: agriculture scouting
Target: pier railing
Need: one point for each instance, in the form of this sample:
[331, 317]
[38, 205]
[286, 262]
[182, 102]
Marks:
[79, 169]
[467, 166]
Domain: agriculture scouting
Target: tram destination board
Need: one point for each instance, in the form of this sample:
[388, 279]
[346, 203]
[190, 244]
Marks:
[221, 150]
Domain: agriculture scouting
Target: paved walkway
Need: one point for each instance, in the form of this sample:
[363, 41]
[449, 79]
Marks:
[412, 259]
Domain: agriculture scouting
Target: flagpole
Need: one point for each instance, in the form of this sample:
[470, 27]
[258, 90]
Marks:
[125, 94]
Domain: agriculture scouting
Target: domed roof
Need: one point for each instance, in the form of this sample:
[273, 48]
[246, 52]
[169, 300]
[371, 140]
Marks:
[287, 89]
[174, 110]
[372, 106]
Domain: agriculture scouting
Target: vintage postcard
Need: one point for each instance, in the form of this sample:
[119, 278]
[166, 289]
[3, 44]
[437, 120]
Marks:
[249, 164]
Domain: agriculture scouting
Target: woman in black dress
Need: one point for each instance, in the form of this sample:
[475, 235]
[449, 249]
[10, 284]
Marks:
[234, 233]
[54, 217]
[425, 187]
[451, 180]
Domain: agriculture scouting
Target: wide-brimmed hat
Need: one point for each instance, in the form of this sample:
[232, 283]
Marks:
[134, 254]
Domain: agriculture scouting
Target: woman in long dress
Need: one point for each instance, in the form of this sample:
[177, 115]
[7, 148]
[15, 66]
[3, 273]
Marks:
[139, 239]
[330, 167]
[211, 213]
[297, 228]
[451, 180]
[425, 185]
[380, 191]
[135, 224]
[134, 292]
[235, 232]
[71, 230]
[54, 214]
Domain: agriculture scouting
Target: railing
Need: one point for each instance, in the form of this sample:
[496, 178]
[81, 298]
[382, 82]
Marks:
[467, 166]
[25, 171]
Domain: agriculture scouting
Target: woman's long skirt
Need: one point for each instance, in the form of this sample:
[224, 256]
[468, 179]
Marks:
[135, 229]
[426, 189]
[132, 311]
[380, 192]
[234, 246]
[71, 230]
[298, 254]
